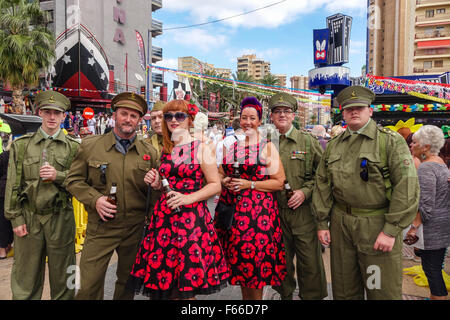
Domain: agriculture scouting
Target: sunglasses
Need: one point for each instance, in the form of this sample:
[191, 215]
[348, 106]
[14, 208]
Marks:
[103, 173]
[364, 174]
[179, 116]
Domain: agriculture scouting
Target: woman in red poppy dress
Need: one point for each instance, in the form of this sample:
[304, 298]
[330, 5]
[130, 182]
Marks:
[181, 257]
[253, 245]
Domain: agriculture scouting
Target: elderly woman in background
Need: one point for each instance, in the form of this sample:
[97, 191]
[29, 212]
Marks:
[434, 206]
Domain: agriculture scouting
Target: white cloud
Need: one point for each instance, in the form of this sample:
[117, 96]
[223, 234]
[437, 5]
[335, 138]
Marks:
[199, 39]
[285, 12]
[170, 63]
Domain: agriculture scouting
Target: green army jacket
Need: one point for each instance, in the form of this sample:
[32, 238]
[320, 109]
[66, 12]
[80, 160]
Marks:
[338, 178]
[97, 154]
[300, 154]
[31, 194]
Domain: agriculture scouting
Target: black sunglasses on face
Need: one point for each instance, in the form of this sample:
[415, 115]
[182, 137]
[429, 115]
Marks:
[364, 174]
[179, 116]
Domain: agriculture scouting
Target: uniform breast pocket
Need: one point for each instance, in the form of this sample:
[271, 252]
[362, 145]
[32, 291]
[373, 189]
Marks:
[60, 164]
[297, 164]
[97, 172]
[373, 167]
[334, 166]
[31, 167]
[140, 171]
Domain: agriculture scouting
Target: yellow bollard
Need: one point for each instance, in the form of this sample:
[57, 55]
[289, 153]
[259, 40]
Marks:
[80, 222]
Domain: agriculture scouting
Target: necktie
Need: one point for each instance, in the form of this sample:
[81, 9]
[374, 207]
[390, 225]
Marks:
[125, 143]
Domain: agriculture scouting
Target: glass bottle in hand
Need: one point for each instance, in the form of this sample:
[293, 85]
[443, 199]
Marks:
[167, 189]
[44, 163]
[288, 190]
[112, 197]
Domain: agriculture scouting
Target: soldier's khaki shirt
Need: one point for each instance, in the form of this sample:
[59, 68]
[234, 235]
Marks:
[128, 171]
[295, 155]
[343, 166]
[37, 197]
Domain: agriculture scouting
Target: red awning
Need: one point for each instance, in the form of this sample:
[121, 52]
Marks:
[434, 44]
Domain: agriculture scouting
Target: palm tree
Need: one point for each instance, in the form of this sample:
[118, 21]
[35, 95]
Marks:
[270, 80]
[26, 46]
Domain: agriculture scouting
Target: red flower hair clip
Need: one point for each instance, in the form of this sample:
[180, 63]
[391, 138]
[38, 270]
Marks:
[146, 157]
[192, 109]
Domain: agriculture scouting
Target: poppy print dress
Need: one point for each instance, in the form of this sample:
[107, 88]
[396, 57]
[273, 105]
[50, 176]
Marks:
[180, 256]
[253, 246]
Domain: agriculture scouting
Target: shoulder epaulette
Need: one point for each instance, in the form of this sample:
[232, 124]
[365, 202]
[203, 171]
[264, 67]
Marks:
[72, 139]
[27, 135]
[388, 131]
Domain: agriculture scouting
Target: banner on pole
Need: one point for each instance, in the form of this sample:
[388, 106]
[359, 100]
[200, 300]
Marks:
[141, 49]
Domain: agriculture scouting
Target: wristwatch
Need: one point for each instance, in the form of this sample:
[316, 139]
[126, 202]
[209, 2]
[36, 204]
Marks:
[252, 186]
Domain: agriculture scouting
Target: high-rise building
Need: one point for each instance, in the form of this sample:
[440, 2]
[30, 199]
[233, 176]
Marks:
[114, 24]
[299, 82]
[281, 79]
[192, 64]
[432, 37]
[406, 37]
[253, 66]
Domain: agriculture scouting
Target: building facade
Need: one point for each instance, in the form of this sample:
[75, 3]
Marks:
[114, 24]
[432, 37]
[255, 67]
[192, 64]
[282, 79]
[299, 82]
[406, 37]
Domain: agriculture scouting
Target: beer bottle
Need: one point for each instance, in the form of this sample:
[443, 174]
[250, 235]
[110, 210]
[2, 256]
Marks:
[44, 163]
[288, 190]
[112, 196]
[236, 173]
[167, 189]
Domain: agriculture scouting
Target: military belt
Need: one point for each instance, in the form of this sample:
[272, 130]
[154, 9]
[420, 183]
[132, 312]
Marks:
[360, 211]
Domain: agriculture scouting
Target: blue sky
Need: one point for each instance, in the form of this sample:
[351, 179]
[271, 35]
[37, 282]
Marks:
[281, 34]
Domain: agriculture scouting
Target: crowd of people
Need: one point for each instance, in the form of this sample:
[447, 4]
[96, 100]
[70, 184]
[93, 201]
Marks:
[283, 194]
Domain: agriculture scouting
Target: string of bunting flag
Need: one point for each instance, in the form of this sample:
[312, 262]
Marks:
[243, 85]
[438, 92]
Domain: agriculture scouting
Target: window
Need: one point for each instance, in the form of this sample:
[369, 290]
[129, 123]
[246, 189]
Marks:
[428, 64]
[440, 11]
[429, 13]
[439, 63]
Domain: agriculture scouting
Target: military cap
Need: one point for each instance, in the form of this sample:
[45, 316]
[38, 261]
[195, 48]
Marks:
[129, 100]
[52, 100]
[159, 106]
[355, 96]
[283, 99]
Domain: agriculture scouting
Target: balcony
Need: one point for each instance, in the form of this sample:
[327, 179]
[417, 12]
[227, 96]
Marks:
[437, 19]
[157, 79]
[430, 3]
[431, 35]
[431, 70]
[156, 27]
[157, 54]
[156, 4]
[439, 53]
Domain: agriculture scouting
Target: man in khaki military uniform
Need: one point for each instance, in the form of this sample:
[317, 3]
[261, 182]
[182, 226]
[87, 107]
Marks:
[367, 189]
[116, 157]
[39, 207]
[300, 154]
[156, 119]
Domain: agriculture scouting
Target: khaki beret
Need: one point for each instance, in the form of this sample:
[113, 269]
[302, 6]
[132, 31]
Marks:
[355, 96]
[129, 100]
[283, 99]
[159, 106]
[52, 100]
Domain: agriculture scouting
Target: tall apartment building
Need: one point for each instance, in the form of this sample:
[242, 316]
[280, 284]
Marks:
[299, 82]
[281, 79]
[390, 30]
[406, 37]
[432, 37]
[113, 23]
[253, 66]
[195, 65]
